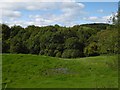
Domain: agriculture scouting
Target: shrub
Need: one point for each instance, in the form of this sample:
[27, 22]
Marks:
[71, 53]
[41, 52]
[50, 53]
[58, 54]
[91, 49]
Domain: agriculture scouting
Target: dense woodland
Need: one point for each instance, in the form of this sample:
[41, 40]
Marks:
[58, 41]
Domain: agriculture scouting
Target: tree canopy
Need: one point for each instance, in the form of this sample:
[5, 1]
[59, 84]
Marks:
[57, 41]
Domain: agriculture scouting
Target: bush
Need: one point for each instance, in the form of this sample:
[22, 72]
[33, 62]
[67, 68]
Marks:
[50, 53]
[41, 52]
[58, 54]
[71, 53]
[92, 49]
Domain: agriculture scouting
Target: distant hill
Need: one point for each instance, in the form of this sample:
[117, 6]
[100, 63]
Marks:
[98, 26]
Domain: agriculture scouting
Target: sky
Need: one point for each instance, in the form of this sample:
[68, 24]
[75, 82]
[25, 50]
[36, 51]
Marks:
[51, 12]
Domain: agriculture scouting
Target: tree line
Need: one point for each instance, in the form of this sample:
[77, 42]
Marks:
[58, 41]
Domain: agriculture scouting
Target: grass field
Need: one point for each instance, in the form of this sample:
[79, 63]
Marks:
[35, 71]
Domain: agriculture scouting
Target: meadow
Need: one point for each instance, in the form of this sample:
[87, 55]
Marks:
[39, 71]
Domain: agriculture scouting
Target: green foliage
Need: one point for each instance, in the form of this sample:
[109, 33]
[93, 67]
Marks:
[58, 54]
[50, 53]
[71, 42]
[108, 41]
[92, 49]
[17, 46]
[97, 26]
[71, 53]
[5, 38]
[5, 32]
[5, 46]
[15, 30]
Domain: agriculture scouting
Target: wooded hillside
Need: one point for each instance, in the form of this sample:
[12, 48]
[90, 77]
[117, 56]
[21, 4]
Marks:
[57, 41]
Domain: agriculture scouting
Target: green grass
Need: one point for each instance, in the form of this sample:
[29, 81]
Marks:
[0, 71]
[35, 71]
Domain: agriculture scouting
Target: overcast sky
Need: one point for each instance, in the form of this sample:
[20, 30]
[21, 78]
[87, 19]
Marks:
[50, 12]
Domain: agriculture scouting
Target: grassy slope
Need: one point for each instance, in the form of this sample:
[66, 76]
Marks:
[32, 71]
[0, 71]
